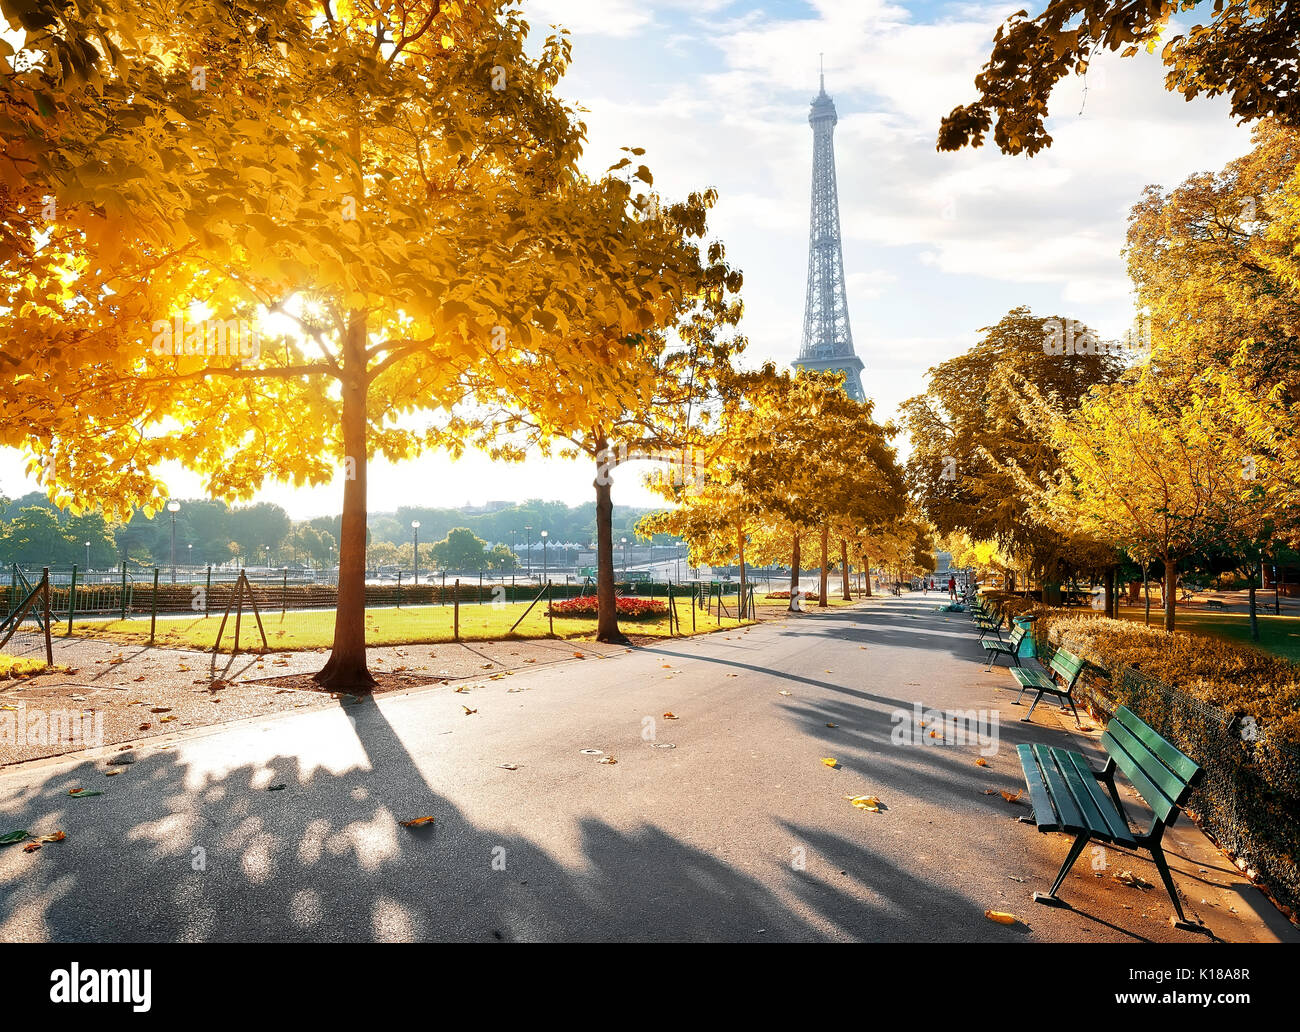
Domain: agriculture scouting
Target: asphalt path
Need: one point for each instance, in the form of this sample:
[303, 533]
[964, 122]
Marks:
[721, 824]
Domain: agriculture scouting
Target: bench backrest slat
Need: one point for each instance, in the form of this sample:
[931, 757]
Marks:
[1162, 775]
[1180, 763]
[1068, 665]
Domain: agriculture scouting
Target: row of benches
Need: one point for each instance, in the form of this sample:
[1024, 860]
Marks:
[1067, 794]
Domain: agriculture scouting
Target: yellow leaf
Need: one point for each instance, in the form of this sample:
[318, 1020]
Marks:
[417, 822]
[1001, 917]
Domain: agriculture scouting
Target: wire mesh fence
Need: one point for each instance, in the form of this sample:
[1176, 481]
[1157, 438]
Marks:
[293, 613]
[25, 627]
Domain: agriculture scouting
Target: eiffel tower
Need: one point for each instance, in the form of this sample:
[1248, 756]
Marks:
[827, 338]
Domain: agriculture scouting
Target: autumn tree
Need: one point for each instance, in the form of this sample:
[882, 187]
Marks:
[790, 452]
[1244, 50]
[655, 371]
[388, 193]
[967, 428]
[1142, 467]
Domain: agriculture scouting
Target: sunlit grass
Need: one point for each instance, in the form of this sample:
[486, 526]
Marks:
[297, 631]
[20, 666]
[1278, 635]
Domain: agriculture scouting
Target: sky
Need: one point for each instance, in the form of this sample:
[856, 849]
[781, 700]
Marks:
[936, 246]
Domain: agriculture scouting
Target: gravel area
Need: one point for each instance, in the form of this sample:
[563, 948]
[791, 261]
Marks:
[110, 694]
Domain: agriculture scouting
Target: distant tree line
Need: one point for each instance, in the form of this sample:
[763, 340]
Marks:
[33, 532]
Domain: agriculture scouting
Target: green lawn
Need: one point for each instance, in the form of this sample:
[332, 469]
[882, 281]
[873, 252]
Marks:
[391, 626]
[832, 599]
[1279, 635]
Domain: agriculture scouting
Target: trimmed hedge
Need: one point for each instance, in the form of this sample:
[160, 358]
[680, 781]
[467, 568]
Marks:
[1233, 709]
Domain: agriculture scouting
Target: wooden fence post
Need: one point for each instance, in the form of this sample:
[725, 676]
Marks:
[153, 606]
[72, 597]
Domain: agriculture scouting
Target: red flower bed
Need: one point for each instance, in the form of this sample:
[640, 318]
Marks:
[786, 594]
[632, 608]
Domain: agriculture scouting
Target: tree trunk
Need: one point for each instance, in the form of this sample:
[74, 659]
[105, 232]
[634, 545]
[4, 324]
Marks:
[866, 568]
[740, 541]
[1171, 592]
[1108, 593]
[1254, 612]
[794, 573]
[606, 606]
[1146, 590]
[823, 600]
[844, 571]
[346, 668]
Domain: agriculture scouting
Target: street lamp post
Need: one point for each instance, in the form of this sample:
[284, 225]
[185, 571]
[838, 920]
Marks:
[87, 555]
[415, 529]
[189, 557]
[173, 507]
[544, 536]
[624, 558]
[528, 537]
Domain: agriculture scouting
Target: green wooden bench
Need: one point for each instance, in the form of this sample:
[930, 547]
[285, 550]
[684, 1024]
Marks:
[986, 623]
[1011, 647]
[1065, 665]
[1067, 795]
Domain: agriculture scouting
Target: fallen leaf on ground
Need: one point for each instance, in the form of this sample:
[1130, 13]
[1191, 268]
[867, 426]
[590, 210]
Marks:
[1131, 879]
[781, 692]
[865, 802]
[579, 655]
[417, 822]
[468, 711]
[140, 678]
[670, 716]
[1001, 917]
[111, 773]
[161, 709]
[508, 766]
[607, 759]
[1012, 797]
[164, 720]
[31, 847]
[9, 838]
[80, 793]
[830, 761]
[145, 727]
[56, 836]
[981, 762]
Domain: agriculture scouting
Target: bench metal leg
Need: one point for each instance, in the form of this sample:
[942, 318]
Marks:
[1037, 699]
[1077, 721]
[1158, 855]
[1050, 899]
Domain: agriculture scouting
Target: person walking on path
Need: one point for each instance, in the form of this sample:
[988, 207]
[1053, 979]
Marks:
[952, 588]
